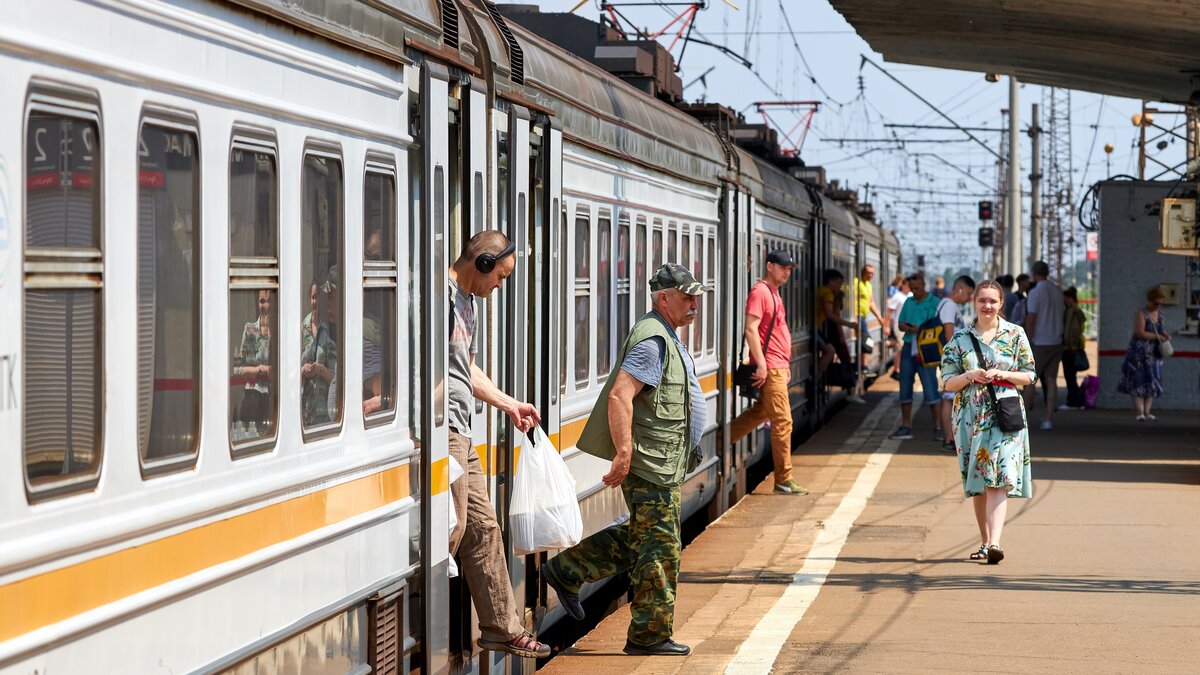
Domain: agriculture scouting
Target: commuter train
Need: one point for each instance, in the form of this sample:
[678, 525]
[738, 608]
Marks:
[214, 216]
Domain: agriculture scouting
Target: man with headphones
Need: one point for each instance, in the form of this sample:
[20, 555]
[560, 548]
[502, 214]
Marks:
[486, 261]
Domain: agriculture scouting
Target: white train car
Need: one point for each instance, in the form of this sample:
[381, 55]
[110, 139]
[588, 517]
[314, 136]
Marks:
[215, 216]
[185, 186]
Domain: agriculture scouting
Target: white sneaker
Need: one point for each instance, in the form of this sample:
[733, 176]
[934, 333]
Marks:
[857, 400]
[1064, 406]
[1046, 425]
[1151, 417]
[1141, 418]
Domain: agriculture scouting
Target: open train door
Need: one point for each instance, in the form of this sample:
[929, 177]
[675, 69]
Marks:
[428, 183]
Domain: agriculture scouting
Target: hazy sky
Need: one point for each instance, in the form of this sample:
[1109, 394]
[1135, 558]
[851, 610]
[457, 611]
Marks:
[927, 192]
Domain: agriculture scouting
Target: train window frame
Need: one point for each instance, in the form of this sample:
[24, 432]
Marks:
[255, 273]
[641, 252]
[383, 274]
[582, 287]
[684, 260]
[331, 151]
[185, 122]
[86, 269]
[623, 284]
[672, 242]
[710, 263]
[603, 292]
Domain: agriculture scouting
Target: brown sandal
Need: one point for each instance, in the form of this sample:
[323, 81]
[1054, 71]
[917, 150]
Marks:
[523, 645]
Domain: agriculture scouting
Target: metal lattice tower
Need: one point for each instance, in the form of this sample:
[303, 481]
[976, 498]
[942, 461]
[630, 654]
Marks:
[1058, 204]
[999, 209]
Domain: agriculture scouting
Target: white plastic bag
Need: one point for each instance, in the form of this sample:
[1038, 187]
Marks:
[456, 472]
[544, 513]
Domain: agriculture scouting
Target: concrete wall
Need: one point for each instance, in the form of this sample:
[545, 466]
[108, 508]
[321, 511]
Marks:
[1129, 267]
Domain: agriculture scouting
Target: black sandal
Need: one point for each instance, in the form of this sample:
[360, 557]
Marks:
[981, 553]
[994, 555]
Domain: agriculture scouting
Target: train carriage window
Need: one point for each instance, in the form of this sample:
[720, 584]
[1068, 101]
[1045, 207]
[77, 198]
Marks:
[64, 317]
[380, 281]
[168, 296]
[622, 329]
[686, 333]
[583, 298]
[253, 296]
[712, 297]
[603, 295]
[321, 344]
[640, 275]
[656, 259]
[672, 243]
[701, 309]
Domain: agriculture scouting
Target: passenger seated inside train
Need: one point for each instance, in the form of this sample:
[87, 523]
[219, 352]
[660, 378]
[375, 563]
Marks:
[253, 416]
[318, 352]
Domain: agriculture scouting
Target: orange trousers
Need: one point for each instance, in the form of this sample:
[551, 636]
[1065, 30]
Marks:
[772, 405]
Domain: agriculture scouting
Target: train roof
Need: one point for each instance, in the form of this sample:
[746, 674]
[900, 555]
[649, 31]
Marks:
[599, 109]
[772, 187]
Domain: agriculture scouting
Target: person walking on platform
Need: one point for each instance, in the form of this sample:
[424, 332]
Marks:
[992, 354]
[918, 309]
[1074, 357]
[1043, 323]
[1141, 372]
[892, 320]
[648, 421]
[770, 345]
[950, 316]
[486, 261]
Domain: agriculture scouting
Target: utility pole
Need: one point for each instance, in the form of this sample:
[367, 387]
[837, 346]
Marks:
[1000, 248]
[1058, 204]
[1035, 185]
[1016, 239]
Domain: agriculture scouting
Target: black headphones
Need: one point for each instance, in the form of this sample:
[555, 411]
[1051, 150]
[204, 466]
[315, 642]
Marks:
[486, 262]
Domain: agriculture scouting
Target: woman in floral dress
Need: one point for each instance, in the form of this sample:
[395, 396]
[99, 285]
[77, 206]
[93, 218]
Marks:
[1141, 372]
[994, 464]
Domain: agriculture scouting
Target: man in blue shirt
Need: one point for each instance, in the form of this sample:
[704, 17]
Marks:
[918, 309]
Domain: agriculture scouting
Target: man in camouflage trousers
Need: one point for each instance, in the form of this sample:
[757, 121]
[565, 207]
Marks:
[648, 421]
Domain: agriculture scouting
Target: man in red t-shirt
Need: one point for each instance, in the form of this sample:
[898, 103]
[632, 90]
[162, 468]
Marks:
[767, 331]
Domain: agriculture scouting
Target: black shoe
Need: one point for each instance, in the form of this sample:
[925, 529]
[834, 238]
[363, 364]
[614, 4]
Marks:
[568, 600]
[667, 647]
[994, 555]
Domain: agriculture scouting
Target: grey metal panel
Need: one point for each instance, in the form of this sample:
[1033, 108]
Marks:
[1143, 49]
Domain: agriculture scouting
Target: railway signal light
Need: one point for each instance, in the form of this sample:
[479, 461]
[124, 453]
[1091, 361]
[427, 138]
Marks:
[987, 236]
[985, 210]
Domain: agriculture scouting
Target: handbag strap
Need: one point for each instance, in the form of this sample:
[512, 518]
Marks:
[979, 354]
[770, 329]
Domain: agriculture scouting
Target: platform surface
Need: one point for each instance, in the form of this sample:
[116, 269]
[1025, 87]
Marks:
[869, 572]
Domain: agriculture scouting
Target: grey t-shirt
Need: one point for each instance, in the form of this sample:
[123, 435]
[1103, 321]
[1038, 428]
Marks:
[1046, 300]
[460, 399]
[645, 362]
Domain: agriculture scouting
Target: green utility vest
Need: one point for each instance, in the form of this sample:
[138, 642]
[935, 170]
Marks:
[661, 415]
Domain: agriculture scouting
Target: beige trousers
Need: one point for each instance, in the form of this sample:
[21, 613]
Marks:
[772, 405]
[477, 542]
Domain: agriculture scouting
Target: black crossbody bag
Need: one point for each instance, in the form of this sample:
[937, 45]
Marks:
[1008, 409]
[743, 377]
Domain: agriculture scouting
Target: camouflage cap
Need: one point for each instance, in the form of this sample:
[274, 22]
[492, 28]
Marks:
[671, 275]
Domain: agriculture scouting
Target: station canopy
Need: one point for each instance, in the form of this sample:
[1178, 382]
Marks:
[1143, 49]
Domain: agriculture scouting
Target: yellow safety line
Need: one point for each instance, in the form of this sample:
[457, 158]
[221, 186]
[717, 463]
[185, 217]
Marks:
[51, 597]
